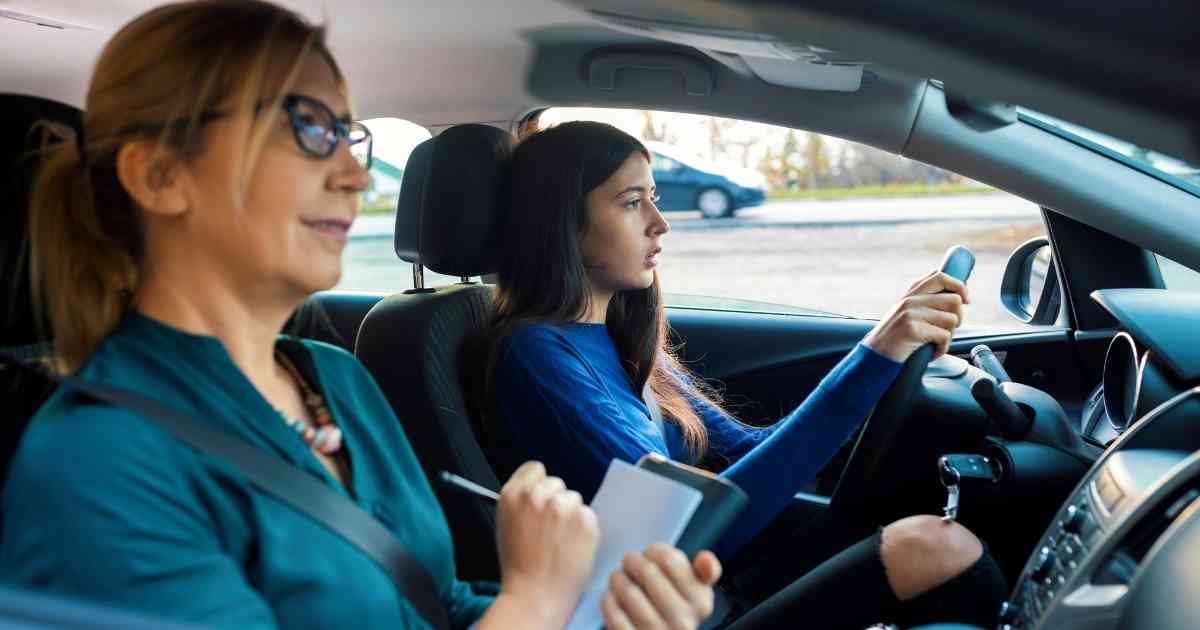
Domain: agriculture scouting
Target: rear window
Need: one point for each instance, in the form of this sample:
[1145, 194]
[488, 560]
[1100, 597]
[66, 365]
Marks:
[369, 262]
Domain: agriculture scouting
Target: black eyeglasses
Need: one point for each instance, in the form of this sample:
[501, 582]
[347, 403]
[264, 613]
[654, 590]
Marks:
[318, 130]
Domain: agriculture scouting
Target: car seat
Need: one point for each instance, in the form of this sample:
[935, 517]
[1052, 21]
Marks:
[414, 342]
[20, 334]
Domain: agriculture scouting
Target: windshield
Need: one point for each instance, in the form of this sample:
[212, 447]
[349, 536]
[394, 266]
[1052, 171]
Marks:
[1164, 167]
[693, 160]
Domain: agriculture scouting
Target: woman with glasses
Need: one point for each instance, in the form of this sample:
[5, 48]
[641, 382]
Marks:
[211, 192]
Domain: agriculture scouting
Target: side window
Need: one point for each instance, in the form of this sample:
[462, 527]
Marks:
[786, 221]
[369, 262]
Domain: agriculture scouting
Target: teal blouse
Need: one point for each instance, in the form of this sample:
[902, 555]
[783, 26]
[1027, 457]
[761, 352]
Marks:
[102, 504]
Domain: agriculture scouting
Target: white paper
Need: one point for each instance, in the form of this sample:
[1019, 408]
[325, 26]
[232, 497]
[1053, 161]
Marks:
[635, 508]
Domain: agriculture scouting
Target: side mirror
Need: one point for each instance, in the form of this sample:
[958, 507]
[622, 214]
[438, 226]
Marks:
[1030, 288]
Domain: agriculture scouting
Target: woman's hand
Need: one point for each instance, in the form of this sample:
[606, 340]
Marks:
[659, 589]
[547, 541]
[928, 313]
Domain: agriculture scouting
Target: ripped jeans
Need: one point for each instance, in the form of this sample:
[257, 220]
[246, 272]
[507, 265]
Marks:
[851, 591]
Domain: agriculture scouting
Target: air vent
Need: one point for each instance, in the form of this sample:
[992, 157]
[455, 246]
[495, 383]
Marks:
[27, 18]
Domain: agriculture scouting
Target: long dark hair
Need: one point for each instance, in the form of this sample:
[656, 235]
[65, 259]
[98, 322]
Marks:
[541, 277]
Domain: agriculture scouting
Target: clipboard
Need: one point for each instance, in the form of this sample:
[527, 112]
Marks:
[721, 502]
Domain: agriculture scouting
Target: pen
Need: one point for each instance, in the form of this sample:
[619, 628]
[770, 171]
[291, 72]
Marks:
[466, 485]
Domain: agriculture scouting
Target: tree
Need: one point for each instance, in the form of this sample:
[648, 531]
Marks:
[651, 132]
[782, 166]
[816, 160]
[718, 143]
[744, 146]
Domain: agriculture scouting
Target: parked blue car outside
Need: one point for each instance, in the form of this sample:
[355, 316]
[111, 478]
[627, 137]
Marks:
[687, 183]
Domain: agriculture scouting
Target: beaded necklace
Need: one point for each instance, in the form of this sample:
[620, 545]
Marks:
[322, 435]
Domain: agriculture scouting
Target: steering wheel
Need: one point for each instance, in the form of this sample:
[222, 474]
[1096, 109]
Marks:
[863, 469]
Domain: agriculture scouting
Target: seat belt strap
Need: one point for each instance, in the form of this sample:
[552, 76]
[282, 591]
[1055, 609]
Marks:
[300, 490]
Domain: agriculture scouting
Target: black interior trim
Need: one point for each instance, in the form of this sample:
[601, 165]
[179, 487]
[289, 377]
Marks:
[1093, 259]
[1166, 321]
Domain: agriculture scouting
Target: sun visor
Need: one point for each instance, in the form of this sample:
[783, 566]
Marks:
[37, 20]
[809, 76]
[787, 64]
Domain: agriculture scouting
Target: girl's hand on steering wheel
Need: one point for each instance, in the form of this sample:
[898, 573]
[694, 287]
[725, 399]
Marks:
[928, 313]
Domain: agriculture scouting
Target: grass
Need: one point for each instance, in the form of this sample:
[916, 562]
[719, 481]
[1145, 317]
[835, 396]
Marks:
[895, 190]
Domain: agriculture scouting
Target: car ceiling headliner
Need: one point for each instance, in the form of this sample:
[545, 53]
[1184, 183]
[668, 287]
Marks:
[430, 62]
[1124, 67]
[449, 61]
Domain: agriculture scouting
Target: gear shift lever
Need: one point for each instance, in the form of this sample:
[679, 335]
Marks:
[984, 359]
[1009, 418]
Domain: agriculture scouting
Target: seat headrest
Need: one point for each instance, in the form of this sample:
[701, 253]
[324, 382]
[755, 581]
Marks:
[18, 114]
[452, 199]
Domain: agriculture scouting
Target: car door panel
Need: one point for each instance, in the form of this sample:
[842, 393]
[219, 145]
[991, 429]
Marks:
[767, 364]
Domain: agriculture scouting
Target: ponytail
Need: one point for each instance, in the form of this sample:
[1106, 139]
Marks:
[83, 260]
[155, 81]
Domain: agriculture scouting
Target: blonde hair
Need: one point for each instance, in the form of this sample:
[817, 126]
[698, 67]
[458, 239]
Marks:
[160, 78]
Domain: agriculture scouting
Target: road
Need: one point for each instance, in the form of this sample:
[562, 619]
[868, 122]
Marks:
[854, 257]
[843, 213]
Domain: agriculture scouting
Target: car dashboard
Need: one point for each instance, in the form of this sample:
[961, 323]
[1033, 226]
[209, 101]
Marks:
[1149, 361]
[1120, 552]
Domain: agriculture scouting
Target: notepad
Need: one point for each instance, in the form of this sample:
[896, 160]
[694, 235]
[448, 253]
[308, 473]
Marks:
[635, 508]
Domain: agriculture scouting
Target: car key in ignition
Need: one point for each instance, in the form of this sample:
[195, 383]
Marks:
[958, 263]
[952, 469]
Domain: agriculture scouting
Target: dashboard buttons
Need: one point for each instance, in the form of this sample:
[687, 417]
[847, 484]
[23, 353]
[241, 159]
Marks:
[1075, 519]
[1070, 549]
[1043, 565]
[1010, 616]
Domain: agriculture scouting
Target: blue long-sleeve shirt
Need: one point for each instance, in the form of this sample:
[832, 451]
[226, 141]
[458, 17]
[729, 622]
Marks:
[564, 399]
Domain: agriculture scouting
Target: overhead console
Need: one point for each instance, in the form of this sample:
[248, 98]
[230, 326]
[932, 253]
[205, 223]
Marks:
[628, 58]
[787, 64]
